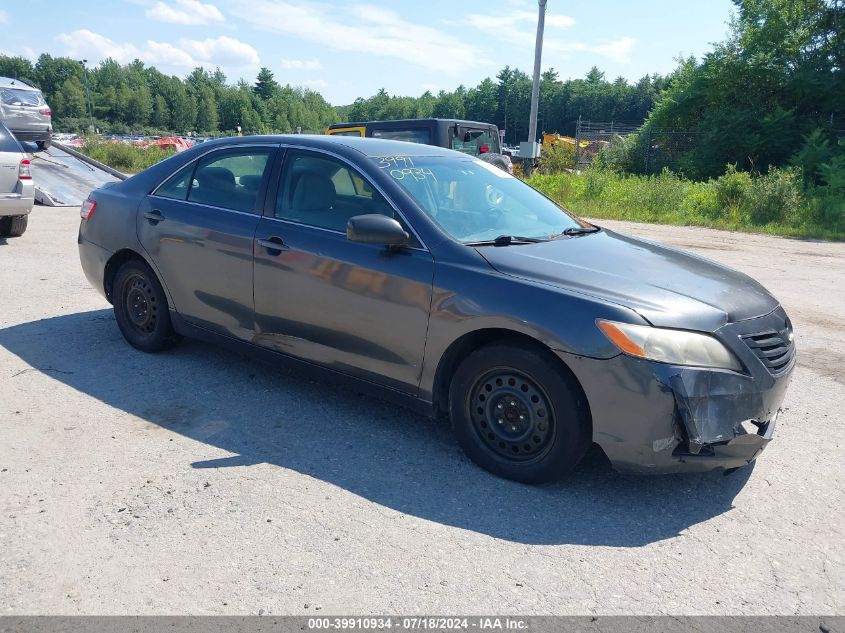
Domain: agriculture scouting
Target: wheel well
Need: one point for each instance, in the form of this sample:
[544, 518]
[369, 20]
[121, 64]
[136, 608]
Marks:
[468, 343]
[114, 264]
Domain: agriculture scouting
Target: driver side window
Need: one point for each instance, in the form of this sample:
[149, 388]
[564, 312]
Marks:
[324, 192]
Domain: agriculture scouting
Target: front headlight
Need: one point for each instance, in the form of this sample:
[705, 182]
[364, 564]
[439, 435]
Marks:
[676, 347]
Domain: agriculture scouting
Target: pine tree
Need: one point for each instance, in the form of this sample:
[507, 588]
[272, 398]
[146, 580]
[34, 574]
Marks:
[265, 85]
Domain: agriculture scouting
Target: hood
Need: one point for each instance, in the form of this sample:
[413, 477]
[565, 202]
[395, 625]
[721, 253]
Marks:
[666, 286]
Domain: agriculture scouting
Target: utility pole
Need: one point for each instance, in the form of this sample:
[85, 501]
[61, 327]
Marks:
[82, 63]
[535, 89]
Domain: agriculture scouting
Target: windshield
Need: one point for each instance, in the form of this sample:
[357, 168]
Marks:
[474, 201]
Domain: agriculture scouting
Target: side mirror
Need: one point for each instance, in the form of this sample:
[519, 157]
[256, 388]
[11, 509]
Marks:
[376, 229]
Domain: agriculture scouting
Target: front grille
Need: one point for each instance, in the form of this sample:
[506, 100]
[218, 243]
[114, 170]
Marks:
[774, 349]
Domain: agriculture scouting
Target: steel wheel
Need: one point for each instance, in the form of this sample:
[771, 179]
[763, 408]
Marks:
[140, 303]
[140, 308]
[511, 414]
[518, 412]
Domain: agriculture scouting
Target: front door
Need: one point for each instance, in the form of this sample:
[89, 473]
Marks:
[358, 308]
[198, 228]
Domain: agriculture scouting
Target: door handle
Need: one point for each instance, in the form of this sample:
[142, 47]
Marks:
[273, 244]
[154, 216]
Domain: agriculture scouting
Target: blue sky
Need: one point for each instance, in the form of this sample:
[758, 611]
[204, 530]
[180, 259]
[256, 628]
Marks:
[346, 49]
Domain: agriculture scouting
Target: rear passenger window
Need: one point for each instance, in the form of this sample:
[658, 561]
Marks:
[230, 179]
[176, 187]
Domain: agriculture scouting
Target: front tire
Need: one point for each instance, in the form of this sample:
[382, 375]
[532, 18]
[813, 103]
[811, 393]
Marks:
[140, 308]
[13, 225]
[518, 414]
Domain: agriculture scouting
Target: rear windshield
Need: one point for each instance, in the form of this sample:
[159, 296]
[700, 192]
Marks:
[8, 143]
[475, 142]
[19, 96]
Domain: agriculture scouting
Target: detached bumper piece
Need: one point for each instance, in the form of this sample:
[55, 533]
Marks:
[735, 453]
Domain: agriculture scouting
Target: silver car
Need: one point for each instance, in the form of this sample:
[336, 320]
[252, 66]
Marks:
[17, 194]
[25, 112]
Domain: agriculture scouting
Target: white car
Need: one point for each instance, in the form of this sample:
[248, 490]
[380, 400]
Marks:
[17, 193]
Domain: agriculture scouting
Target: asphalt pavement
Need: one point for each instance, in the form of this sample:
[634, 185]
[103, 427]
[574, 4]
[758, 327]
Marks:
[198, 481]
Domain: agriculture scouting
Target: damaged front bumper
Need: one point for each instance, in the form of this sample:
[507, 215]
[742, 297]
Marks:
[655, 418]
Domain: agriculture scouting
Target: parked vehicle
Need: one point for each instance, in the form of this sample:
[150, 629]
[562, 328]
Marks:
[469, 137]
[25, 112]
[17, 194]
[429, 276]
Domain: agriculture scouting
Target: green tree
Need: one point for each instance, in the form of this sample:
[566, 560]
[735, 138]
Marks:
[753, 99]
[161, 113]
[265, 85]
[17, 68]
[207, 118]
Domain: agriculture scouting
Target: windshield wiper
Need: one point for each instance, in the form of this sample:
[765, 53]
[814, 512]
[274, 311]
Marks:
[578, 230]
[507, 240]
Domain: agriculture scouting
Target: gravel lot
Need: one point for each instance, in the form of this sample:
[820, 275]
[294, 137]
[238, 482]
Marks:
[200, 482]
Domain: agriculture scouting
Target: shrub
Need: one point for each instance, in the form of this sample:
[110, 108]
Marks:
[775, 202]
[731, 188]
[557, 158]
[774, 197]
[123, 157]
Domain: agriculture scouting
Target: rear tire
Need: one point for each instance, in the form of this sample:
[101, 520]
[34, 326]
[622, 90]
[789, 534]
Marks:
[43, 145]
[518, 414]
[13, 225]
[141, 310]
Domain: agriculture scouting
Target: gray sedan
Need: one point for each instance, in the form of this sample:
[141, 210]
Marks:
[433, 278]
[17, 193]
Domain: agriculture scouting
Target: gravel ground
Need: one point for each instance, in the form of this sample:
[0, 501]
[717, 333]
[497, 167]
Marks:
[200, 482]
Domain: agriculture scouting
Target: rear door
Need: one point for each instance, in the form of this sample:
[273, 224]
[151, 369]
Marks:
[198, 229]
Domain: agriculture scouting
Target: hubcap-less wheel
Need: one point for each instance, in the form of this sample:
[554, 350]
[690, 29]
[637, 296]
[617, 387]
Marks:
[511, 414]
[141, 304]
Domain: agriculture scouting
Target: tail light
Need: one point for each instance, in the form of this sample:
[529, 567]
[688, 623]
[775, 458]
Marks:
[24, 170]
[45, 112]
[483, 149]
[87, 209]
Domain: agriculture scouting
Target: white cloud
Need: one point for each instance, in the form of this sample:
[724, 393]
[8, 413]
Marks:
[315, 84]
[166, 53]
[364, 29]
[616, 50]
[185, 12]
[4, 17]
[223, 51]
[85, 43]
[504, 24]
[186, 53]
[301, 64]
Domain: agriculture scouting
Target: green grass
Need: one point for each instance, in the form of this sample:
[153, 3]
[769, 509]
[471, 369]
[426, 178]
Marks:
[126, 158]
[776, 203]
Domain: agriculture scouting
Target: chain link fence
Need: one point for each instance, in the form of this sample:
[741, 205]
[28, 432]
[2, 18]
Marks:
[653, 150]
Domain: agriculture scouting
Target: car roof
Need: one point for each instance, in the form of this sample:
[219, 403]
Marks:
[409, 122]
[8, 82]
[371, 147]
